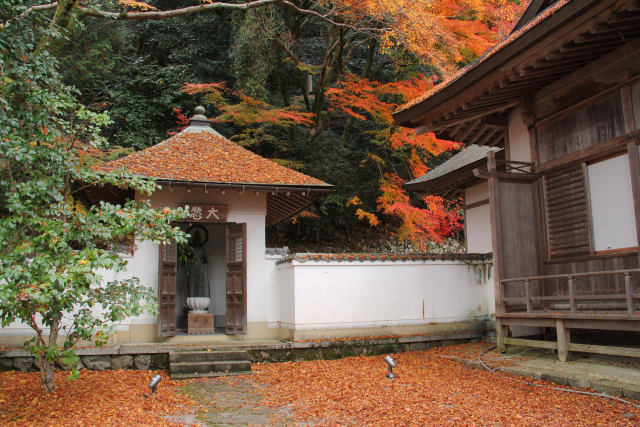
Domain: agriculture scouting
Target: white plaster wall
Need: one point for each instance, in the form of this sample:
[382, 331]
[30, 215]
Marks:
[611, 197]
[143, 265]
[249, 208]
[478, 232]
[519, 145]
[287, 285]
[476, 193]
[477, 221]
[272, 289]
[329, 295]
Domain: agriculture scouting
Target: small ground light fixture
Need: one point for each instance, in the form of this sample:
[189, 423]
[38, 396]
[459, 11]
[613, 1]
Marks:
[153, 384]
[392, 364]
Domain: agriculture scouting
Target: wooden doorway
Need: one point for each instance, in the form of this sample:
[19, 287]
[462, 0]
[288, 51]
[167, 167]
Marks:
[235, 321]
[236, 279]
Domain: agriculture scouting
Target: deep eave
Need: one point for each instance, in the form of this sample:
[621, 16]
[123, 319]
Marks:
[451, 183]
[563, 38]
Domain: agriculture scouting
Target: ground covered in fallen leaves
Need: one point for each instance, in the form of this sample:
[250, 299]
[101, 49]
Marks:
[96, 398]
[429, 390]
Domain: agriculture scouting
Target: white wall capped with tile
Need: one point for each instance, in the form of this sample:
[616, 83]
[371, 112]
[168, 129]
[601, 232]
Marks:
[364, 294]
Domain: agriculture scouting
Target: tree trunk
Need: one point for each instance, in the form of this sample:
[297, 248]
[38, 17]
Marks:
[47, 371]
[47, 367]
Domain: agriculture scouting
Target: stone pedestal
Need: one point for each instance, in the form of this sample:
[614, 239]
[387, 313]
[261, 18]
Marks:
[200, 323]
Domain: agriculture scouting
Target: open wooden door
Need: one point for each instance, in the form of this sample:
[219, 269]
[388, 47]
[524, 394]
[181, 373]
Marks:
[236, 279]
[167, 280]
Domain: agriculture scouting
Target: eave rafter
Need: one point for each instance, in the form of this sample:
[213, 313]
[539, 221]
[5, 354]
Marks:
[602, 33]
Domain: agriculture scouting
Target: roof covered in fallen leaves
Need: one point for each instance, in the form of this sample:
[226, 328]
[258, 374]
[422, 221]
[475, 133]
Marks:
[200, 154]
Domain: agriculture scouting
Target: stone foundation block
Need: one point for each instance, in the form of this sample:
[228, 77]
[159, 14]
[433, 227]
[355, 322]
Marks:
[142, 362]
[97, 363]
[160, 361]
[6, 364]
[122, 362]
[24, 364]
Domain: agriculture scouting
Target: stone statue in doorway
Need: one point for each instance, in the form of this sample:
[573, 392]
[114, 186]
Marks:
[198, 285]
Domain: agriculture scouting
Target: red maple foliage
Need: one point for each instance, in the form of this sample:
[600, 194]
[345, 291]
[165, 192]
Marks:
[248, 110]
[365, 99]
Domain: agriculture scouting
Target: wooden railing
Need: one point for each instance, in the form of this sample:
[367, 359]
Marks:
[529, 299]
[515, 166]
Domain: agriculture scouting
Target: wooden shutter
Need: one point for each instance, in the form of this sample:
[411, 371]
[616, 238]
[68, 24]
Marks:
[167, 289]
[566, 204]
[236, 279]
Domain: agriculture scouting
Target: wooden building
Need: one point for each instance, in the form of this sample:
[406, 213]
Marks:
[561, 96]
[232, 195]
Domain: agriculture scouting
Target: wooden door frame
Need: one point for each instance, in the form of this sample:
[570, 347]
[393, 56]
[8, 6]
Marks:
[243, 235]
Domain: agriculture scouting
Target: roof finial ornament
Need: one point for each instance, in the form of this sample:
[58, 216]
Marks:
[199, 122]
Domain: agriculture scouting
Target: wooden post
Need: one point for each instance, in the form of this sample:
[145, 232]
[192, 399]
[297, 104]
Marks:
[501, 331]
[496, 233]
[572, 295]
[634, 170]
[563, 335]
[629, 293]
[527, 289]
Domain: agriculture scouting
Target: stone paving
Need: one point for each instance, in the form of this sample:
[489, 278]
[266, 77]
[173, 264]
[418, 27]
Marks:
[613, 375]
[230, 401]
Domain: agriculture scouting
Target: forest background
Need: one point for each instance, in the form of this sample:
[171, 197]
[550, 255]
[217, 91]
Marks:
[313, 94]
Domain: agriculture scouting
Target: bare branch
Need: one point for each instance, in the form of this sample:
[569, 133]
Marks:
[207, 7]
[327, 19]
[165, 14]
[36, 8]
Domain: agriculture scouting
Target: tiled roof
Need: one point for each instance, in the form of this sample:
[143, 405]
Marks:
[469, 155]
[305, 257]
[505, 42]
[200, 154]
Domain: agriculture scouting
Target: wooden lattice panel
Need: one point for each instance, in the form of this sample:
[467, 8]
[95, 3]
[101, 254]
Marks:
[566, 204]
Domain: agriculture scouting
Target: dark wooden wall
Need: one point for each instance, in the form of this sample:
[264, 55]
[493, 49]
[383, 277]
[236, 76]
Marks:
[593, 124]
[519, 236]
[585, 116]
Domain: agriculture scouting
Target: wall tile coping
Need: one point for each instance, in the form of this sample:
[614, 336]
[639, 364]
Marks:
[351, 257]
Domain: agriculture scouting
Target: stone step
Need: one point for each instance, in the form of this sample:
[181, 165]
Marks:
[208, 375]
[205, 356]
[209, 367]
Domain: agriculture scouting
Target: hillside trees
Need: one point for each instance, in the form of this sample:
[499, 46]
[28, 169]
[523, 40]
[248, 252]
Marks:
[52, 245]
[270, 50]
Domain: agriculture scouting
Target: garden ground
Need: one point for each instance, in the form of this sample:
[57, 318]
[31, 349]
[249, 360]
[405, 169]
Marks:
[430, 389]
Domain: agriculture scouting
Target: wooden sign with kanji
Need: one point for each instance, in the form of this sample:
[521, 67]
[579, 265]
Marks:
[206, 213]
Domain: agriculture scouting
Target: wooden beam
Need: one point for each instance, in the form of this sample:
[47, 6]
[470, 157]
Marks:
[634, 170]
[489, 134]
[475, 115]
[467, 132]
[612, 146]
[582, 348]
[550, 345]
[545, 37]
[495, 121]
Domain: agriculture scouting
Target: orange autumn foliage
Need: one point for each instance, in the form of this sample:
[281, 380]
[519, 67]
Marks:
[363, 99]
[439, 219]
[356, 96]
[248, 111]
[372, 218]
[95, 398]
[443, 32]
